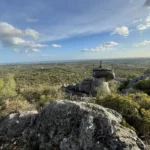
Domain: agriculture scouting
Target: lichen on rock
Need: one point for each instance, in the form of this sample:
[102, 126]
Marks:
[65, 125]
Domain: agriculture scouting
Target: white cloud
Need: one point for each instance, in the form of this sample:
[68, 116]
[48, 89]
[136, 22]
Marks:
[31, 20]
[143, 27]
[137, 20]
[19, 42]
[38, 45]
[32, 50]
[146, 25]
[144, 43]
[7, 30]
[95, 19]
[108, 46]
[30, 32]
[17, 39]
[124, 31]
[56, 46]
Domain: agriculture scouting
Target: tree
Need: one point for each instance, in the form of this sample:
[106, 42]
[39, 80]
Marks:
[7, 86]
[7, 90]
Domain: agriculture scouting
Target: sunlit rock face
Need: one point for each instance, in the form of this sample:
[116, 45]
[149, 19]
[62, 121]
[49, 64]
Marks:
[100, 84]
[65, 125]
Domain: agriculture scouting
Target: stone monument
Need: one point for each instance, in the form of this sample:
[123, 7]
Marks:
[89, 87]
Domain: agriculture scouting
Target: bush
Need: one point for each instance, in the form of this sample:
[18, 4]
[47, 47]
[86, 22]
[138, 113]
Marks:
[135, 109]
[114, 85]
[7, 86]
[143, 85]
[7, 90]
[16, 105]
[123, 85]
[42, 95]
[103, 91]
[142, 99]
[124, 105]
[144, 129]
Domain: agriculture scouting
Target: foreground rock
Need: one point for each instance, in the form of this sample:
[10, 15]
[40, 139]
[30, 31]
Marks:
[65, 125]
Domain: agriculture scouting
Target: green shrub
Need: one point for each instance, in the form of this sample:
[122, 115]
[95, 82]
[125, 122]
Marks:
[7, 91]
[103, 91]
[114, 85]
[144, 123]
[17, 104]
[124, 105]
[135, 109]
[142, 99]
[143, 85]
[7, 86]
[42, 94]
[123, 85]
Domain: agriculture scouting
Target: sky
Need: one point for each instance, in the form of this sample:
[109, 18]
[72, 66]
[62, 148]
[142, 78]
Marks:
[49, 30]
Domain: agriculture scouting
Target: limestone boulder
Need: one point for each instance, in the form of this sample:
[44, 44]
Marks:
[84, 86]
[65, 125]
[88, 87]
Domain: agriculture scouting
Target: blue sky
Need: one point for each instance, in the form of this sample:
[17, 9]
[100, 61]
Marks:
[47, 30]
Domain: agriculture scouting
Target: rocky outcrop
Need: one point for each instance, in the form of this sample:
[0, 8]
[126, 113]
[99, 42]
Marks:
[89, 87]
[137, 79]
[65, 125]
[12, 128]
[103, 73]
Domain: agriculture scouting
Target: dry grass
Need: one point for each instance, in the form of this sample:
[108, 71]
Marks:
[16, 106]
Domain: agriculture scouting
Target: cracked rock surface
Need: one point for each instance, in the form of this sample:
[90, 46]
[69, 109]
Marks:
[65, 125]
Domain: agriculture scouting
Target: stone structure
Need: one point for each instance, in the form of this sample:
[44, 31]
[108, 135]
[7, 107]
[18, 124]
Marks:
[89, 87]
[65, 125]
[103, 73]
[100, 64]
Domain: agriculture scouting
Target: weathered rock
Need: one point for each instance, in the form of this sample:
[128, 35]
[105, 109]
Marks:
[137, 79]
[99, 84]
[65, 125]
[88, 87]
[121, 80]
[76, 126]
[84, 86]
[103, 73]
[12, 127]
[71, 87]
